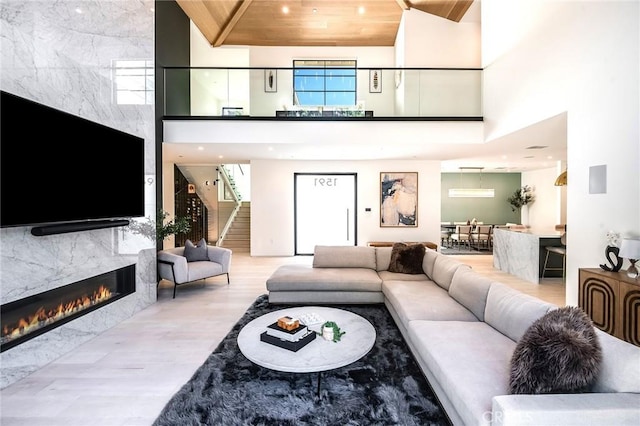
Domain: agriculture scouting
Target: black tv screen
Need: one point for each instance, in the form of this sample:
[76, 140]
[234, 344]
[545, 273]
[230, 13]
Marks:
[59, 168]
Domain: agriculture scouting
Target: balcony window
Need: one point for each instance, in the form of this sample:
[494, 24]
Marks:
[324, 82]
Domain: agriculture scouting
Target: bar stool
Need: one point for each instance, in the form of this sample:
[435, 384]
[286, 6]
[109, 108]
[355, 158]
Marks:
[562, 251]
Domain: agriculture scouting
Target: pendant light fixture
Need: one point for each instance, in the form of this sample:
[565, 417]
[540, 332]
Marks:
[471, 192]
[561, 180]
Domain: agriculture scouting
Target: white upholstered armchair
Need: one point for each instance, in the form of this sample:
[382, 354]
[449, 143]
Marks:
[174, 266]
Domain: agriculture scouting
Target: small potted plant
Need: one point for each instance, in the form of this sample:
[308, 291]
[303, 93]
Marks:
[331, 331]
[521, 197]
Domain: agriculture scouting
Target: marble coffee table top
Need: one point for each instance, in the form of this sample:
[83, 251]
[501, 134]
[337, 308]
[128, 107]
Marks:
[320, 354]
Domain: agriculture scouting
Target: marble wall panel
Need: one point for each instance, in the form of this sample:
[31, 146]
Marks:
[61, 54]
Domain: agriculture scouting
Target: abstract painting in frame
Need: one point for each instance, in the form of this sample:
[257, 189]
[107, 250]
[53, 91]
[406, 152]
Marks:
[398, 199]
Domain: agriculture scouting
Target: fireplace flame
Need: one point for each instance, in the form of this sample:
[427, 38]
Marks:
[42, 317]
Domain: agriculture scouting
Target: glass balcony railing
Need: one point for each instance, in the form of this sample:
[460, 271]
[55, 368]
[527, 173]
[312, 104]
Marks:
[402, 93]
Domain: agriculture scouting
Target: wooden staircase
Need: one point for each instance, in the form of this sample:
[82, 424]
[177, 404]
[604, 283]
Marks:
[238, 237]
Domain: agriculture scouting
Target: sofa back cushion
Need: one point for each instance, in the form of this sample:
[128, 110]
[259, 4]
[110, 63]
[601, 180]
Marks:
[443, 269]
[620, 368]
[383, 257]
[429, 261]
[344, 257]
[512, 312]
[470, 289]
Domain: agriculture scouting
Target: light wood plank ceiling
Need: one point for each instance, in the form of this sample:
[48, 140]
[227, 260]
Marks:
[310, 22]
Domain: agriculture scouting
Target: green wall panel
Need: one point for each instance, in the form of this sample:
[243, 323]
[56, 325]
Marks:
[488, 210]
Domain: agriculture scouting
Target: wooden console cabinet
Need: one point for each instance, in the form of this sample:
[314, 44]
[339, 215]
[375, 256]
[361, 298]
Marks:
[612, 300]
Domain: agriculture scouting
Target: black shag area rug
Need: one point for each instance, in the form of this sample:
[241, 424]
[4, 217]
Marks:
[385, 387]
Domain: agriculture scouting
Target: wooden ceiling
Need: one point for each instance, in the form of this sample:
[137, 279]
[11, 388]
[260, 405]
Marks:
[310, 22]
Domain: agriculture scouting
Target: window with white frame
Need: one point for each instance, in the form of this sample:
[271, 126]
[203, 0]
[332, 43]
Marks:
[133, 82]
[324, 82]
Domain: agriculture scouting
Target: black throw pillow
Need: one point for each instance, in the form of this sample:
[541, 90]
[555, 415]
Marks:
[559, 353]
[195, 253]
[407, 259]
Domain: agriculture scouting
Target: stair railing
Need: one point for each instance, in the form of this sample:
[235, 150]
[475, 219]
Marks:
[228, 183]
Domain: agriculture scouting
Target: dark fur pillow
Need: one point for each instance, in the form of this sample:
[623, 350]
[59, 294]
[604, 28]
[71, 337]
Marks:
[407, 259]
[559, 353]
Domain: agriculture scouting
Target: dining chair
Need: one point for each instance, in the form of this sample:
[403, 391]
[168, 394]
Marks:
[445, 233]
[462, 235]
[481, 235]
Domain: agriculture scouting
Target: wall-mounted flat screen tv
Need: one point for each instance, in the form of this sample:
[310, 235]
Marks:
[60, 168]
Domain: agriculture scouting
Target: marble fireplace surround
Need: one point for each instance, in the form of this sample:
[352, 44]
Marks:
[29, 317]
[55, 262]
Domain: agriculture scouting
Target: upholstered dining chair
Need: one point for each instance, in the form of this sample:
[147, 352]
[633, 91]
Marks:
[462, 235]
[481, 236]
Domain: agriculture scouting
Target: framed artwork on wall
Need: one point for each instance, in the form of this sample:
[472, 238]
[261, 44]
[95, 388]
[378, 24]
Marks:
[270, 81]
[398, 199]
[375, 81]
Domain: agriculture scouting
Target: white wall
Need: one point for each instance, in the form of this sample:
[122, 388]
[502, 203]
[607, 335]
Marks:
[272, 191]
[432, 41]
[544, 211]
[582, 57]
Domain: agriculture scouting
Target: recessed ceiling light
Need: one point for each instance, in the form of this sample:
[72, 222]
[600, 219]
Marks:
[78, 10]
[201, 148]
[361, 10]
[285, 9]
[315, 10]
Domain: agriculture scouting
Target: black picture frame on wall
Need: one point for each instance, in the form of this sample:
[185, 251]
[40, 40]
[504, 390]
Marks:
[270, 81]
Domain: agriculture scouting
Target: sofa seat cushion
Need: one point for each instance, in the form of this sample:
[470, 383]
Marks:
[397, 276]
[423, 300]
[470, 361]
[306, 278]
[199, 270]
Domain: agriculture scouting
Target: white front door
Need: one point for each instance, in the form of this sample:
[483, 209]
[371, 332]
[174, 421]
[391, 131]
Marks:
[325, 210]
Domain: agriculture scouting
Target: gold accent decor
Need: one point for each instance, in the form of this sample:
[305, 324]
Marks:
[561, 180]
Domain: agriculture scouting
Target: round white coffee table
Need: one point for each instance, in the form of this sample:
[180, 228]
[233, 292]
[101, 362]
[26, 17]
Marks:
[317, 356]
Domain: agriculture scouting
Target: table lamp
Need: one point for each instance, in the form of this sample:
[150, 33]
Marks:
[630, 249]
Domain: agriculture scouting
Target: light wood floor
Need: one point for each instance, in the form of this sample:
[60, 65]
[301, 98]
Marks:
[126, 375]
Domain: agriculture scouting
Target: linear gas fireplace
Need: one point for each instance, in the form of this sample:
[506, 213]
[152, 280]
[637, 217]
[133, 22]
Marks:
[32, 316]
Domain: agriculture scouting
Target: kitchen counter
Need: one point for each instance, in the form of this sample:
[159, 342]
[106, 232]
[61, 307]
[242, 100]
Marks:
[522, 252]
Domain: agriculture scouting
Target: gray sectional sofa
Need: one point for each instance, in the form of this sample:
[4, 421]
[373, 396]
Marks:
[463, 329]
